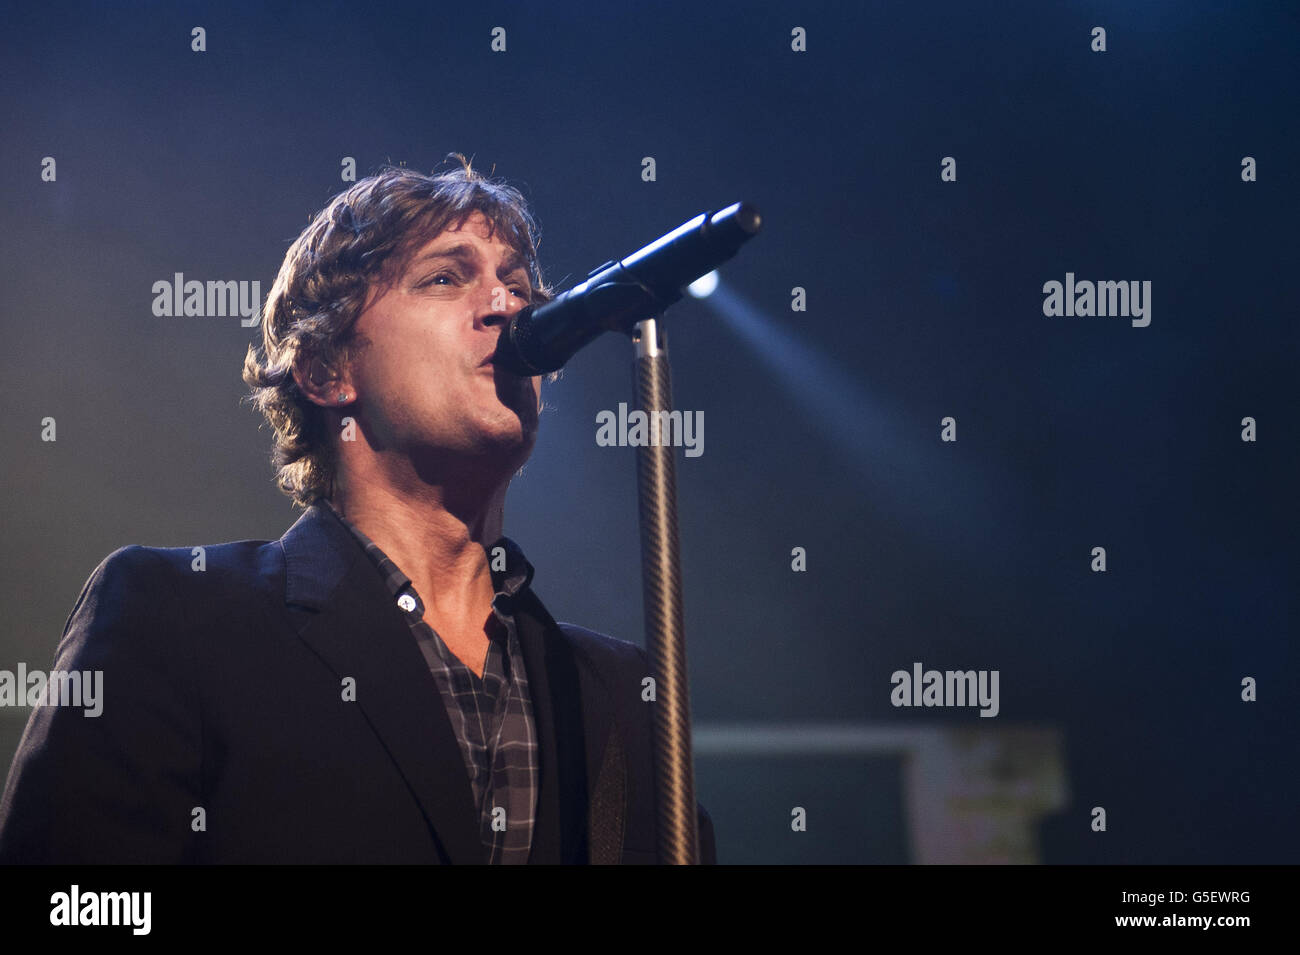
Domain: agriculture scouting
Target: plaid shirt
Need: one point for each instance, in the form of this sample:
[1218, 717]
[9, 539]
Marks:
[492, 717]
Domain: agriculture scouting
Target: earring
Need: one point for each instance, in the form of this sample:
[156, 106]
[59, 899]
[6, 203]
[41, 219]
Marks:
[343, 396]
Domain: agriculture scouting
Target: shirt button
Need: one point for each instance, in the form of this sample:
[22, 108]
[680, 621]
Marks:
[406, 602]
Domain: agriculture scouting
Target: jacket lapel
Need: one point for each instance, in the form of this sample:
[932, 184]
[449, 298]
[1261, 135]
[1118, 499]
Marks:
[573, 720]
[342, 610]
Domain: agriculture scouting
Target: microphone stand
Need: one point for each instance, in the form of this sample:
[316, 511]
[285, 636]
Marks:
[677, 833]
[614, 297]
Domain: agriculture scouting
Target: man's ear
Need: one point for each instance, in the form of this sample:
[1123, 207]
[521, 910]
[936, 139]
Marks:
[322, 384]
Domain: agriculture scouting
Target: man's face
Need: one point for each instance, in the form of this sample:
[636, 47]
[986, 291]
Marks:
[425, 385]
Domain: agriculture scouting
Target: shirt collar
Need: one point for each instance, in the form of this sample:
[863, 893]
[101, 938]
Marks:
[511, 571]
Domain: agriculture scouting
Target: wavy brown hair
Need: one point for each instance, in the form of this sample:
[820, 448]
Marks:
[363, 238]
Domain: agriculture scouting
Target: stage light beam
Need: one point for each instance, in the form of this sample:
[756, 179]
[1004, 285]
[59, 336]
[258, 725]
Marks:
[907, 468]
[704, 286]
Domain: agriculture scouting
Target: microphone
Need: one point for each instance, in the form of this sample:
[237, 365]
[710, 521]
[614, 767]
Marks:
[618, 294]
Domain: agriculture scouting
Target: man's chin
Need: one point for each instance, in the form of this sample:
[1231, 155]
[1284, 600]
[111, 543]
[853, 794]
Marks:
[487, 456]
[510, 437]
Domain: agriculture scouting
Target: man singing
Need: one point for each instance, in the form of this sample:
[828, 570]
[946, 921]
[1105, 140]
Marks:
[381, 684]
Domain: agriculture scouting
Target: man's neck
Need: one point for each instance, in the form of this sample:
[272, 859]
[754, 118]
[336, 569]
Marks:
[439, 539]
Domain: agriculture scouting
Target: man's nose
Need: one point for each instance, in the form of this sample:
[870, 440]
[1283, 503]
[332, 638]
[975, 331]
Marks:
[499, 306]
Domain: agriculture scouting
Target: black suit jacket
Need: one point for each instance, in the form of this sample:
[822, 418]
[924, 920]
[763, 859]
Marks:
[225, 736]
